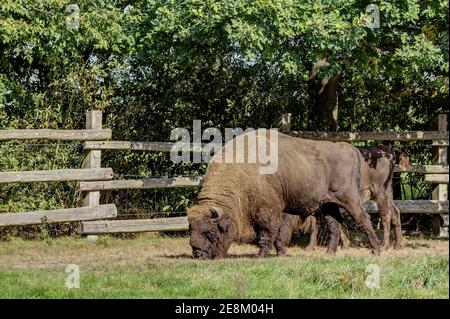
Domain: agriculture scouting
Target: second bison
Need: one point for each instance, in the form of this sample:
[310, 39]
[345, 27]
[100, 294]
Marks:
[381, 161]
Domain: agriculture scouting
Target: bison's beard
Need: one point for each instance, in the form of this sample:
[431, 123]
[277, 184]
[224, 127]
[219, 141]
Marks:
[203, 248]
[210, 245]
[209, 254]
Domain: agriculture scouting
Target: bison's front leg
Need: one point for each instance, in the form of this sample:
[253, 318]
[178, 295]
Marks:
[267, 227]
[385, 213]
[265, 242]
[386, 223]
[280, 247]
[283, 237]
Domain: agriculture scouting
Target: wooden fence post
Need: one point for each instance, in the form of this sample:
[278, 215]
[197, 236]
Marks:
[440, 191]
[284, 122]
[93, 157]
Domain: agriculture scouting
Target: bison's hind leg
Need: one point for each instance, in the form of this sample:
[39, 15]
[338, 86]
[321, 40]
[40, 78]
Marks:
[355, 208]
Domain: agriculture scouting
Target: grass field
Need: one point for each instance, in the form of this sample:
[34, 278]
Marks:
[161, 267]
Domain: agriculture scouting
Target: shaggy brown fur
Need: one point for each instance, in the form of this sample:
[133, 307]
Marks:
[381, 161]
[236, 200]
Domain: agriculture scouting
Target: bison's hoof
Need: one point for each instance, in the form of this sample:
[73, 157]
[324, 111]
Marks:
[281, 253]
[398, 246]
[310, 248]
[384, 247]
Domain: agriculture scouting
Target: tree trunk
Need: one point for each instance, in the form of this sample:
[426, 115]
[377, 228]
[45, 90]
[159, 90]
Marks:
[324, 93]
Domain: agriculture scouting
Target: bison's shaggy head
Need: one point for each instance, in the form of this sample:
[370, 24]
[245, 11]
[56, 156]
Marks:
[211, 232]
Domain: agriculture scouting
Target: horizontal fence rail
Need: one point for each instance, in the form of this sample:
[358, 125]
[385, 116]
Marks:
[329, 136]
[51, 134]
[137, 146]
[436, 178]
[414, 206]
[443, 143]
[181, 223]
[57, 175]
[124, 145]
[135, 225]
[141, 183]
[59, 215]
[425, 169]
[373, 136]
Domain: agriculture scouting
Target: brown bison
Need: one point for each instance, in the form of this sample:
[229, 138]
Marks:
[381, 161]
[236, 199]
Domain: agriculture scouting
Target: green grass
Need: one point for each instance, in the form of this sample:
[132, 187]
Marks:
[287, 277]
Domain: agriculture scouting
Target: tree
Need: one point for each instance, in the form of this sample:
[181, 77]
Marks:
[153, 65]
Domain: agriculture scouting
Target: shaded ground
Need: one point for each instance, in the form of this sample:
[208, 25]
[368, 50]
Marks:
[161, 267]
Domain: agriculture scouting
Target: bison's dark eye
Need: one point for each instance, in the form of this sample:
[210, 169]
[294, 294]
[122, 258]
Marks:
[210, 235]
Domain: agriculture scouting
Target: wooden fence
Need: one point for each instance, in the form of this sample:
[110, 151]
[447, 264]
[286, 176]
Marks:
[92, 178]
[91, 171]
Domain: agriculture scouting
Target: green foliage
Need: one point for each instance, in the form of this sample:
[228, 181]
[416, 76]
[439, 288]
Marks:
[153, 65]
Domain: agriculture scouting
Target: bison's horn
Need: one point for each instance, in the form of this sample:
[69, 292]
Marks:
[215, 212]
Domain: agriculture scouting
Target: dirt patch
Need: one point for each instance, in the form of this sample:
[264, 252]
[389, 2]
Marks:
[21, 254]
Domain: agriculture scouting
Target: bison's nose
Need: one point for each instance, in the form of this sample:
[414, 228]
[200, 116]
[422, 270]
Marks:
[199, 254]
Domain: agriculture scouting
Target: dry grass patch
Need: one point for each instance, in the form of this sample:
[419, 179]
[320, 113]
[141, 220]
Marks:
[22, 254]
